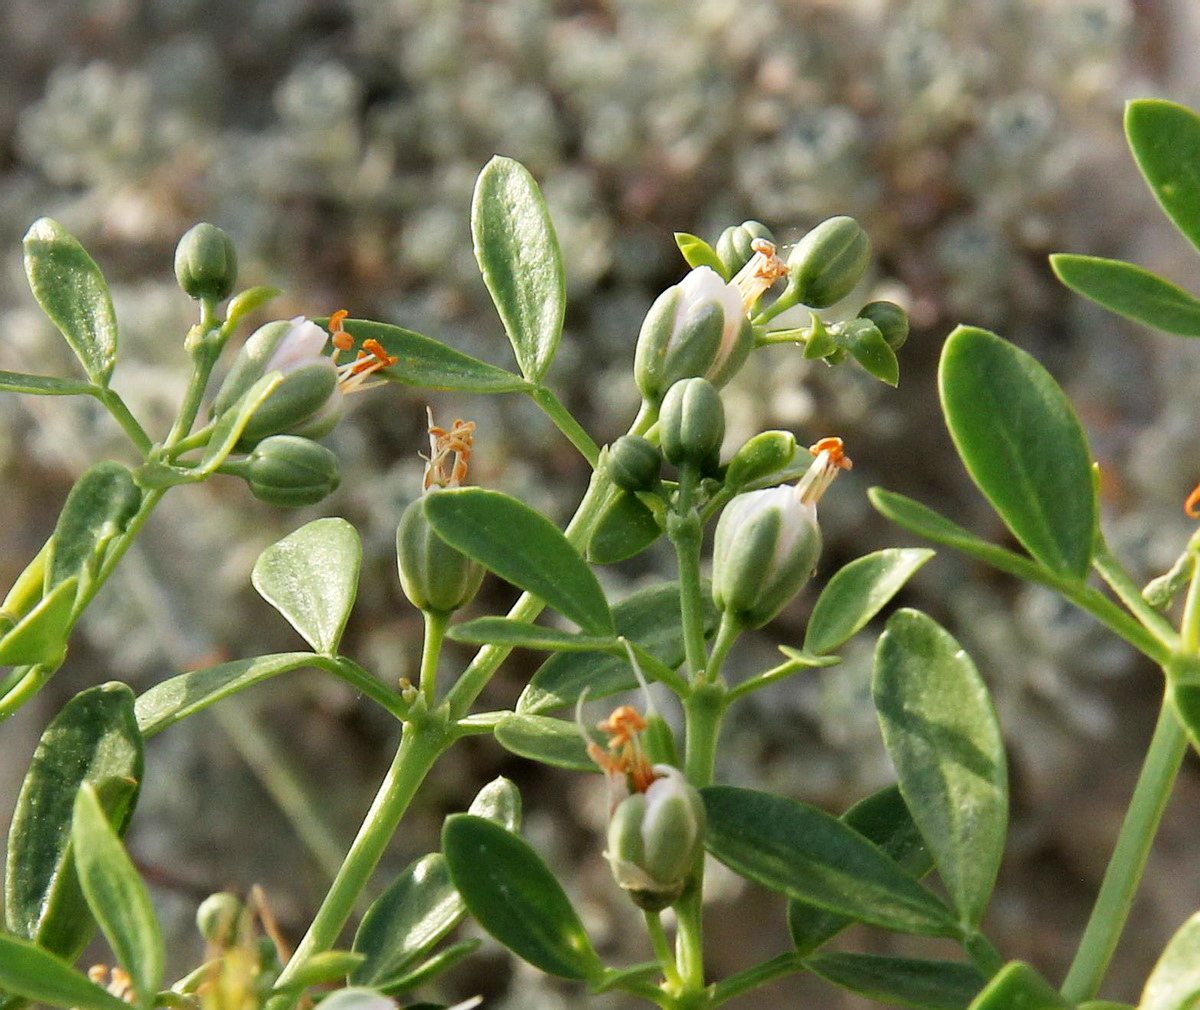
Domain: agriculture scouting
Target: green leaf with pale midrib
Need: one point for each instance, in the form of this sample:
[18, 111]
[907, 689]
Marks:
[519, 634]
[28, 970]
[1022, 445]
[941, 731]
[808, 854]
[518, 255]
[1165, 140]
[43, 385]
[524, 548]
[551, 741]
[1130, 291]
[901, 981]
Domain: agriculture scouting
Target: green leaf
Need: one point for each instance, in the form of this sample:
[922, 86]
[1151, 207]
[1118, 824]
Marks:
[1174, 984]
[626, 527]
[808, 660]
[99, 507]
[40, 637]
[649, 617]
[1017, 986]
[884, 820]
[28, 970]
[523, 547]
[311, 578]
[1130, 291]
[227, 432]
[901, 981]
[513, 895]
[421, 905]
[925, 522]
[518, 255]
[550, 741]
[170, 701]
[440, 963]
[71, 291]
[327, 966]
[857, 593]
[245, 302]
[807, 854]
[871, 351]
[357, 998]
[1165, 140]
[1023, 446]
[940, 729]
[117, 897]
[520, 635]
[43, 385]
[699, 253]
[430, 364]
[94, 739]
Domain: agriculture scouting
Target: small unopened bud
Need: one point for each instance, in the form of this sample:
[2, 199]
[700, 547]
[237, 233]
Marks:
[764, 454]
[767, 542]
[291, 471]
[891, 321]
[634, 464]
[735, 246]
[206, 263]
[218, 917]
[698, 327]
[691, 424]
[825, 265]
[655, 838]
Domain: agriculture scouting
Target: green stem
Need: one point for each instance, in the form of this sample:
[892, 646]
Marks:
[420, 747]
[727, 634]
[124, 417]
[365, 684]
[686, 533]
[662, 948]
[435, 633]
[203, 359]
[752, 978]
[689, 934]
[1163, 759]
[789, 298]
[198, 439]
[1120, 583]
[565, 422]
[983, 954]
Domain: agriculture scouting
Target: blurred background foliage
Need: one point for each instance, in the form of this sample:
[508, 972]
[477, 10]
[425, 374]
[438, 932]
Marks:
[338, 142]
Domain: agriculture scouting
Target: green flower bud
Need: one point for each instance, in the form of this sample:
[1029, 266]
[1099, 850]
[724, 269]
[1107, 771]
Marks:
[655, 839]
[733, 247]
[307, 401]
[825, 265]
[291, 471]
[217, 919]
[767, 542]
[890, 319]
[766, 453]
[206, 263]
[634, 464]
[691, 424]
[434, 576]
[697, 327]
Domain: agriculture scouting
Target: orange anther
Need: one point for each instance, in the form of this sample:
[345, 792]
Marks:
[341, 339]
[1193, 500]
[833, 446]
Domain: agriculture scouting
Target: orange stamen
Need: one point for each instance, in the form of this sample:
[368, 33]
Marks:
[835, 448]
[448, 448]
[1193, 500]
[342, 340]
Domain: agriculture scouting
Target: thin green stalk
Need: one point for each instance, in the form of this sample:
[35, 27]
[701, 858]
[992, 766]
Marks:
[124, 417]
[203, 360]
[431, 651]
[662, 948]
[1163, 759]
[365, 684]
[983, 954]
[289, 794]
[689, 934]
[420, 747]
[563, 419]
[752, 978]
[727, 634]
[1119, 582]
[686, 533]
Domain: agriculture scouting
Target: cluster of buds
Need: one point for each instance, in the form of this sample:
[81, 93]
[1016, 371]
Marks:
[656, 819]
[767, 542]
[436, 577]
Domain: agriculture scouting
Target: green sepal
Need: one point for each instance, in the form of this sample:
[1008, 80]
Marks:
[699, 253]
[865, 342]
[73, 293]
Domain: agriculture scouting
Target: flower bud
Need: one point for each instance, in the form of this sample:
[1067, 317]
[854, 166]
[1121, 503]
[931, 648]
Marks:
[217, 919]
[309, 388]
[634, 464]
[767, 542]
[434, 576]
[891, 321]
[697, 327]
[655, 838]
[825, 265]
[734, 248]
[764, 454]
[291, 471]
[691, 424]
[206, 263]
